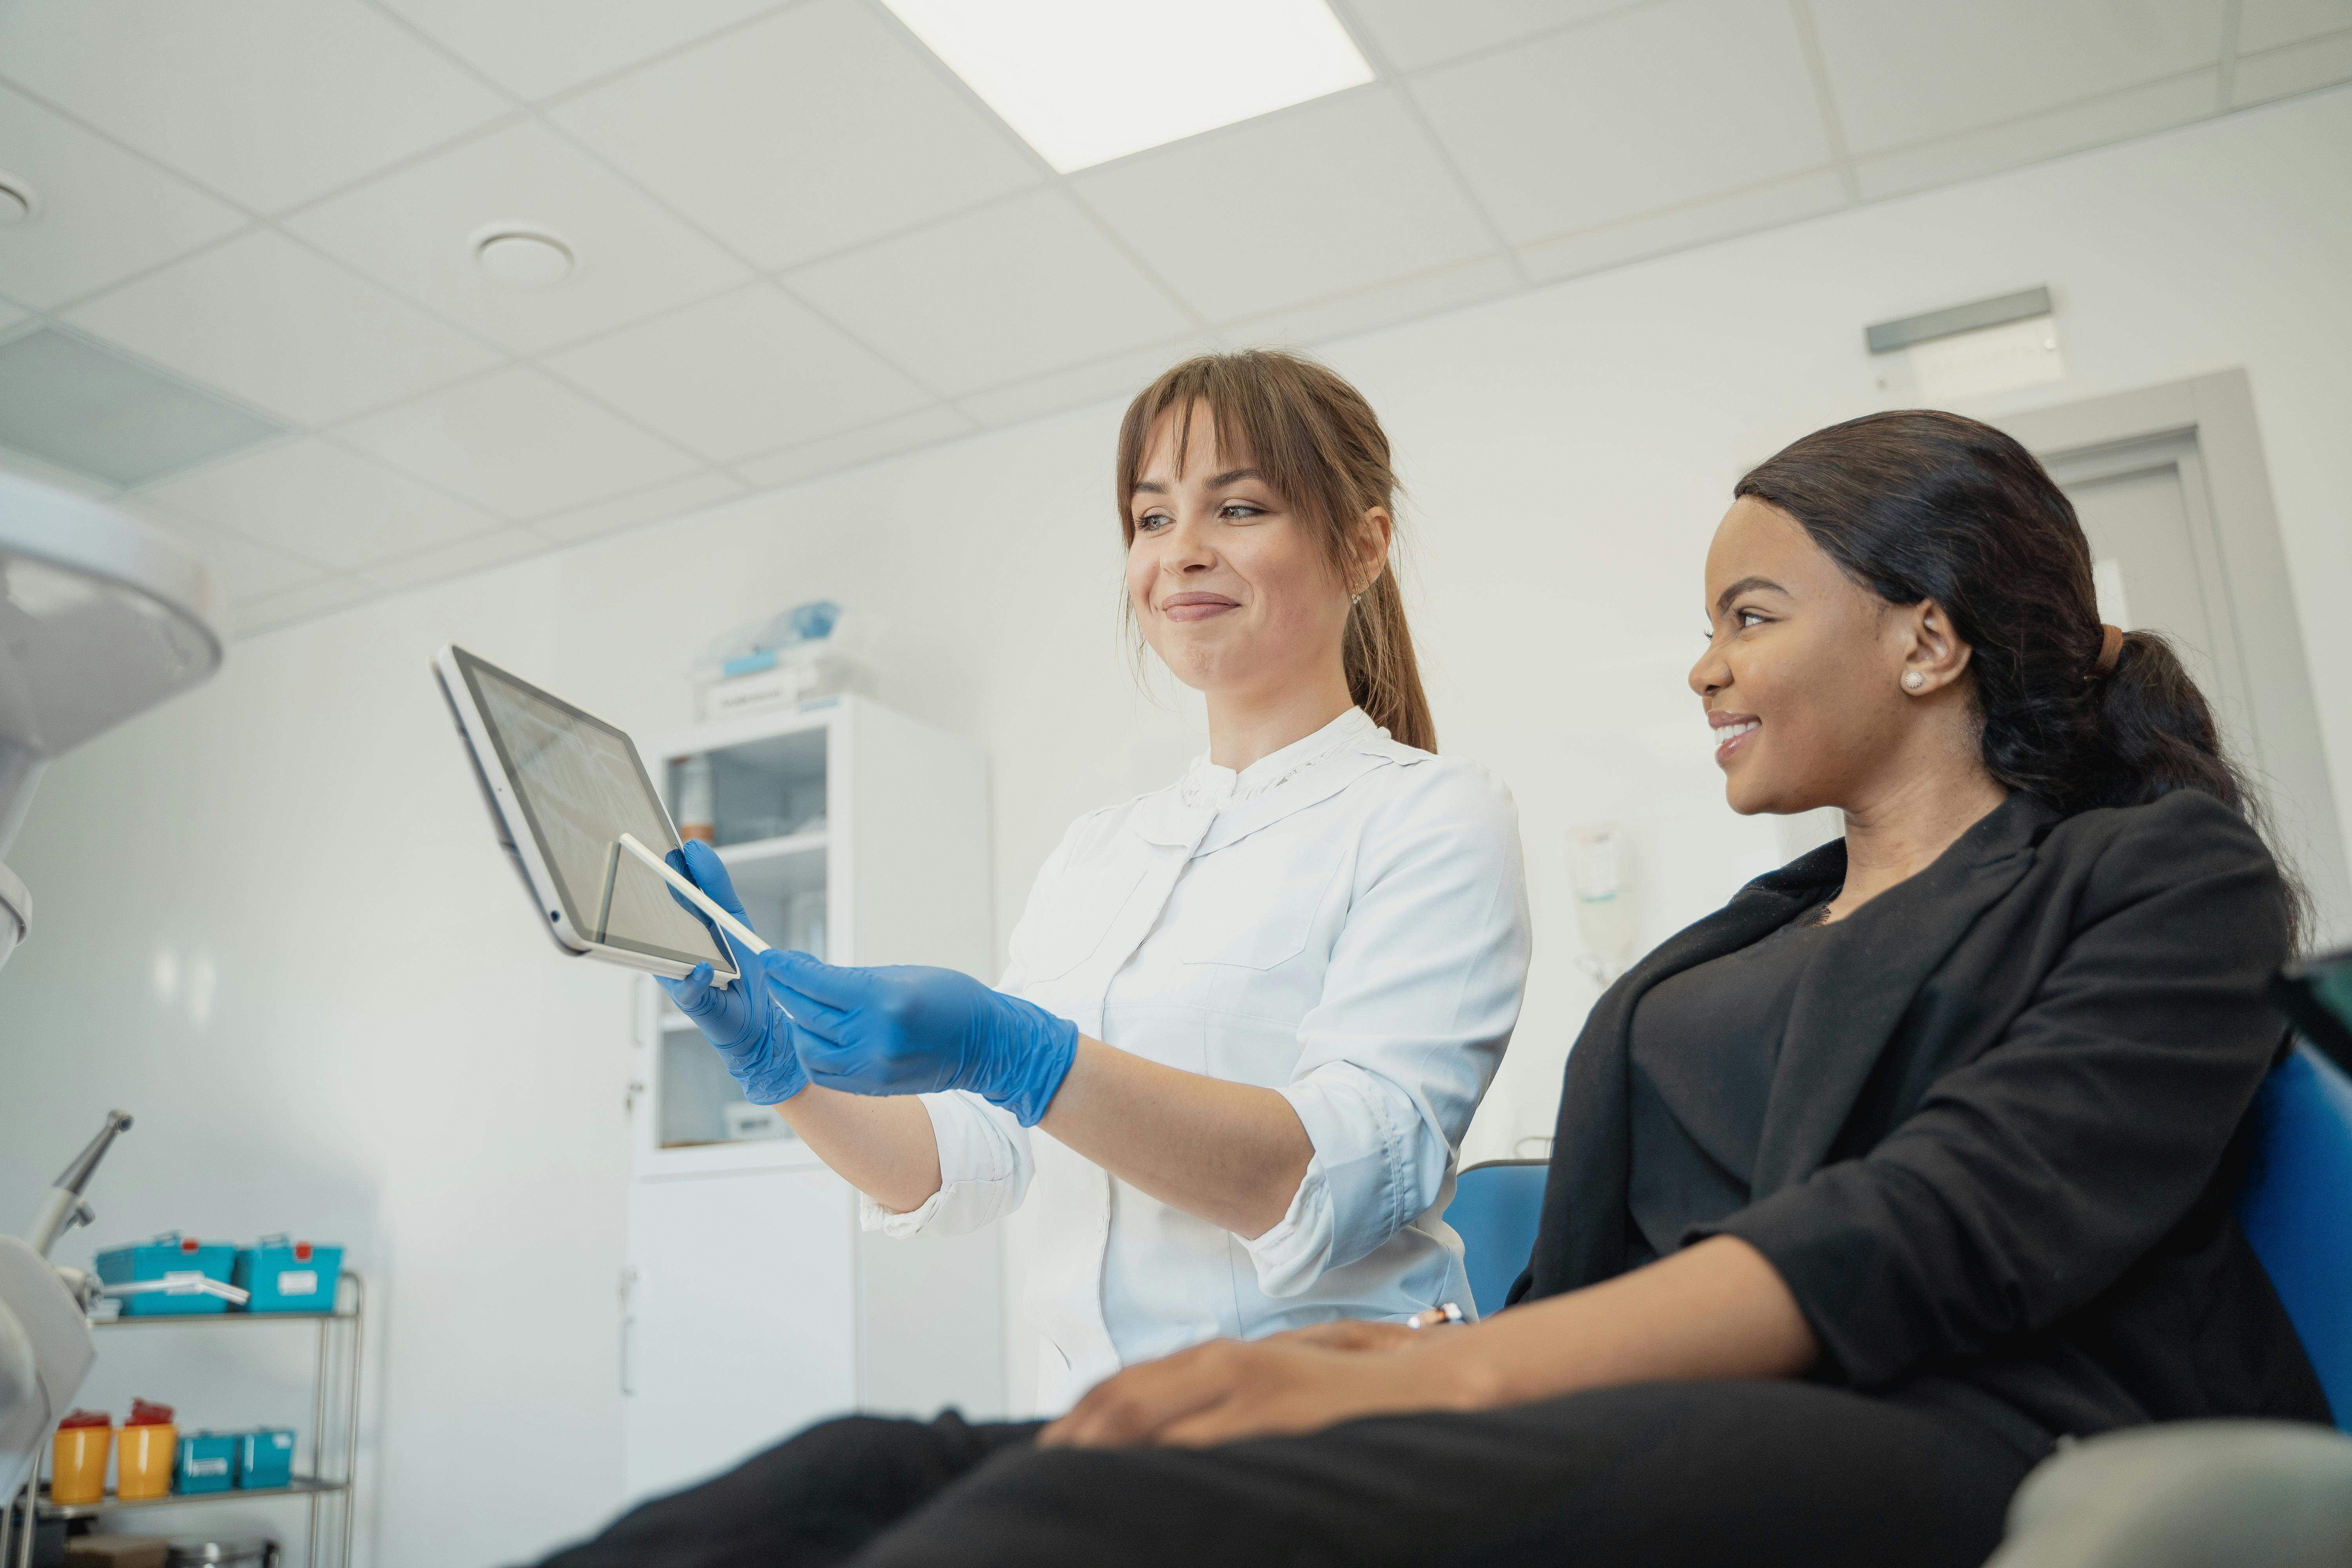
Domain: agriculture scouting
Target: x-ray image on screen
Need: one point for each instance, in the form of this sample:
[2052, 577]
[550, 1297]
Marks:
[581, 786]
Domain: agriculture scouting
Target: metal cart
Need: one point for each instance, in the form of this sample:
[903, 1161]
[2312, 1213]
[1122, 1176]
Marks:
[329, 1484]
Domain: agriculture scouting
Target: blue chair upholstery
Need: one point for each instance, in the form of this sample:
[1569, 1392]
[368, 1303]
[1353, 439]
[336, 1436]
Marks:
[2295, 1207]
[1495, 1210]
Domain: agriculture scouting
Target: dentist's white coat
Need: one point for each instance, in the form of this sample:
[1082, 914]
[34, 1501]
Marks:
[1344, 922]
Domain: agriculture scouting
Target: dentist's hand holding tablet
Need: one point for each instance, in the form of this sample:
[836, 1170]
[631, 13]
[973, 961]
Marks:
[751, 1033]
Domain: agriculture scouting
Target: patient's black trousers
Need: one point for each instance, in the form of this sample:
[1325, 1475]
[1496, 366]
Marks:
[1661, 1475]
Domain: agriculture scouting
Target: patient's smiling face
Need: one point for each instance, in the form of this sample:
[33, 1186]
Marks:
[1802, 673]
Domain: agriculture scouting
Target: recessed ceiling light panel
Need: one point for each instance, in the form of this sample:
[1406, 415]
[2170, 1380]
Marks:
[521, 253]
[95, 410]
[18, 200]
[1085, 81]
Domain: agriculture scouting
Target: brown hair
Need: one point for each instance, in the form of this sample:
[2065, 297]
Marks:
[1321, 449]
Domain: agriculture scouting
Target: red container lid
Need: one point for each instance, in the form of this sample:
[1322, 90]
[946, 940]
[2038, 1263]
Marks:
[144, 1413]
[86, 1418]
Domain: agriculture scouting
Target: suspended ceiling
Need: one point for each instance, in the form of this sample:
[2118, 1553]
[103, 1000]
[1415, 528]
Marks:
[803, 244]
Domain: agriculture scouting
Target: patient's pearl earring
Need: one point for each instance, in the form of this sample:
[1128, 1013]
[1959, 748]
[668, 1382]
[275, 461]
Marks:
[1912, 680]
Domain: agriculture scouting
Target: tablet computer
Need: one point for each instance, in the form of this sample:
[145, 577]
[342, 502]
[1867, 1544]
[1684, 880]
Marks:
[562, 786]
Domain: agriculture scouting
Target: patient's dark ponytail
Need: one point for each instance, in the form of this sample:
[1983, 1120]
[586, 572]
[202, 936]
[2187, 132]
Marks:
[1922, 505]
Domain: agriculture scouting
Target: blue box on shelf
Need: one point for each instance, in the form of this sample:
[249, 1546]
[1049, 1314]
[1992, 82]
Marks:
[154, 1261]
[207, 1461]
[265, 1458]
[287, 1276]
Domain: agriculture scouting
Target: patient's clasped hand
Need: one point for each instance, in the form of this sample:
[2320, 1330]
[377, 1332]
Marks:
[901, 1029]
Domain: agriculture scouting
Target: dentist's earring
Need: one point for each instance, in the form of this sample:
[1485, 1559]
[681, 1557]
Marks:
[1914, 681]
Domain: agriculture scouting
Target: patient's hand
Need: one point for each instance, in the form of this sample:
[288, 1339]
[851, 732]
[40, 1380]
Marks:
[1352, 1334]
[1302, 1381]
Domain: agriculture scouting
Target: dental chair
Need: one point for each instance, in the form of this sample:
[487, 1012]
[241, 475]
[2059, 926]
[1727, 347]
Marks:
[1494, 1211]
[2193, 1494]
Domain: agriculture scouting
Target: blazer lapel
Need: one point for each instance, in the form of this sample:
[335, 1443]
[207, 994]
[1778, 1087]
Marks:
[1858, 988]
[1584, 1216]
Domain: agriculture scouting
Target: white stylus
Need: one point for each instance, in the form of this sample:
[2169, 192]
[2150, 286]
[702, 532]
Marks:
[727, 922]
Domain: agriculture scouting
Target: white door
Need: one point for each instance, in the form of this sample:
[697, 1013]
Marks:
[2153, 553]
[742, 1319]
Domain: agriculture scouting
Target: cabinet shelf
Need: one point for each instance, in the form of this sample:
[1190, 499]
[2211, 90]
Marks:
[190, 1320]
[300, 1486]
[776, 868]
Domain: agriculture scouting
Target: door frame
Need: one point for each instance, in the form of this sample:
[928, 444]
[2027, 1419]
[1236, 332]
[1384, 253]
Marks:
[2268, 663]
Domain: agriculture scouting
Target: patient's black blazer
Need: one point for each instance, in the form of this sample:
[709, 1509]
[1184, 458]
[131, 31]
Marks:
[2003, 1130]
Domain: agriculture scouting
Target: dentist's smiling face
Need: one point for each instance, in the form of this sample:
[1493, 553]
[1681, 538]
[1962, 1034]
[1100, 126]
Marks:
[1802, 676]
[1230, 586]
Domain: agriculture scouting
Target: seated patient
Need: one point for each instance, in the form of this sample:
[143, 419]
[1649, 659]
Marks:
[1868, 1189]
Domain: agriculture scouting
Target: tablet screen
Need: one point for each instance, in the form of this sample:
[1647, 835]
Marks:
[581, 786]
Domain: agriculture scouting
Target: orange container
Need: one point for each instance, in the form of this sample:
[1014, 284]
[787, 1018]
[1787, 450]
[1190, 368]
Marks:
[142, 1469]
[77, 1463]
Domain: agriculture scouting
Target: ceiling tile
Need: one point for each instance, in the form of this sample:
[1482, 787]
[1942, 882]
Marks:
[1360, 197]
[924, 428]
[1021, 287]
[105, 213]
[410, 230]
[444, 562]
[1119, 375]
[533, 48]
[1410, 34]
[1367, 310]
[271, 611]
[1673, 103]
[267, 102]
[1784, 201]
[241, 569]
[748, 372]
[282, 327]
[2175, 101]
[315, 501]
[2267, 23]
[674, 499]
[1905, 71]
[519, 442]
[818, 129]
[2298, 68]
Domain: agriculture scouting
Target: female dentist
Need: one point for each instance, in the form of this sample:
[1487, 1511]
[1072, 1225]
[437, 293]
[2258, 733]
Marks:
[1254, 1011]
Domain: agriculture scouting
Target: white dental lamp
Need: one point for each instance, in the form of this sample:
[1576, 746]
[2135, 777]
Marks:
[101, 618]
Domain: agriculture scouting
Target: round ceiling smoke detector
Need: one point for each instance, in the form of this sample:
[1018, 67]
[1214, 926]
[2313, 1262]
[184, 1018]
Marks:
[18, 200]
[518, 253]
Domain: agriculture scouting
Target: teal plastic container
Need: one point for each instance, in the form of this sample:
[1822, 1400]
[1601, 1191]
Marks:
[207, 1463]
[265, 1458]
[170, 1253]
[288, 1276]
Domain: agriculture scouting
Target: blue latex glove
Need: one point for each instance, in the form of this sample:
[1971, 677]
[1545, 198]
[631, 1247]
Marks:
[753, 1036]
[910, 1029]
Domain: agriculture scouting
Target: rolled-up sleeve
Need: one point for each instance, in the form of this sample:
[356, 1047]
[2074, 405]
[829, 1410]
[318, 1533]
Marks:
[984, 1171]
[1418, 1002]
[2033, 1177]
[985, 1161]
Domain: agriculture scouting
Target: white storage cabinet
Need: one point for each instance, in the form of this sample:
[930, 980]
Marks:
[752, 1303]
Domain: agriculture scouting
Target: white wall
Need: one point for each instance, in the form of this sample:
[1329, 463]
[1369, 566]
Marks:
[386, 1052]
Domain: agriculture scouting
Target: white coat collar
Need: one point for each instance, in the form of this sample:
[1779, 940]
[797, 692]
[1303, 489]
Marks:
[1211, 806]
